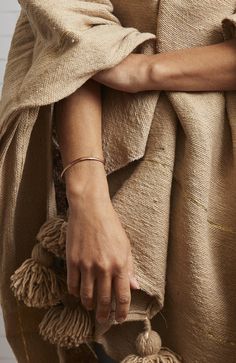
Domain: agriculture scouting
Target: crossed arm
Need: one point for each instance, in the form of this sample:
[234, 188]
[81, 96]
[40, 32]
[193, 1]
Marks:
[207, 68]
[99, 258]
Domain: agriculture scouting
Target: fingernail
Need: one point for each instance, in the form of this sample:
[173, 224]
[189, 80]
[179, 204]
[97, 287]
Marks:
[120, 320]
[135, 282]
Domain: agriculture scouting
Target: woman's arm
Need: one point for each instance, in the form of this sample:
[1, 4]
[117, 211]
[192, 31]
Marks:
[97, 247]
[207, 68]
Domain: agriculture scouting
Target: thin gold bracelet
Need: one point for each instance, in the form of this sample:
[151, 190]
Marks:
[73, 162]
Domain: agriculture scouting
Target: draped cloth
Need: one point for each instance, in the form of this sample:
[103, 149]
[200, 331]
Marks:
[170, 163]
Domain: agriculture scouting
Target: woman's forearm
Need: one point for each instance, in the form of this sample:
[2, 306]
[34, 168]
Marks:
[78, 126]
[208, 68]
[98, 252]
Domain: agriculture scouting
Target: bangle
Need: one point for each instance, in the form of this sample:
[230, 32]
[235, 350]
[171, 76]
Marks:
[73, 162]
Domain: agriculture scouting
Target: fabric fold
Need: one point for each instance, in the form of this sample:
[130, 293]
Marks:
[58, 21]
[93, 40]
[229, 26]
[170, 161]
[55, 48]
[90, 43]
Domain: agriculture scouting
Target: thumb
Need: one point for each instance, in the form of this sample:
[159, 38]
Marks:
[133, 281]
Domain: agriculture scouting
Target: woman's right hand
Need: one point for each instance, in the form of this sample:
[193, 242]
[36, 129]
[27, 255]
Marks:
[98, 252]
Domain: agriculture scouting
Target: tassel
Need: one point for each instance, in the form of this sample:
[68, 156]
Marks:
[36, 283]
[52, 236]
[67, 325]
[148, 346]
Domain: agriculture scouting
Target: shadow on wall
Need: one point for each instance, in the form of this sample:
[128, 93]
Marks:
[9, 11]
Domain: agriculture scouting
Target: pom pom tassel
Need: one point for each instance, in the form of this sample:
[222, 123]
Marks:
[67, 325]
[148, 346]
[35, 281]
[52, 236]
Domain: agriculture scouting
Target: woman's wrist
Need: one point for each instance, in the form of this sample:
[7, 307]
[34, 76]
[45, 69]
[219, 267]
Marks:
[153, 73]
[86, 178]
[159, 72]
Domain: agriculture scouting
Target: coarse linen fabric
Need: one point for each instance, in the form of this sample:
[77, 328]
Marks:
[170, 163]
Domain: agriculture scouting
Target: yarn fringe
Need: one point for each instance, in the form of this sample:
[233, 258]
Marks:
[148, 346]
[36, 283]
[52, 236]
[41, 282]
[67, 326]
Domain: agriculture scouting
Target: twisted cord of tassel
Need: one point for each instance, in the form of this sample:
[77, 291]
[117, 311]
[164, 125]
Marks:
[67, 325]
[52, 236]
[148, 346]
[35, 281]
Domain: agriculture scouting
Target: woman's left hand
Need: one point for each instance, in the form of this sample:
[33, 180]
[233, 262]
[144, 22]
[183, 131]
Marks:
[130, 75]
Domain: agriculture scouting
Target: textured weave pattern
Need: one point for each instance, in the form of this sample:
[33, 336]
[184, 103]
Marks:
[170, 162]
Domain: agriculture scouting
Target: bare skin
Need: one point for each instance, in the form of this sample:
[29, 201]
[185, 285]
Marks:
[208, 68]
[98, 252]
[99, 257]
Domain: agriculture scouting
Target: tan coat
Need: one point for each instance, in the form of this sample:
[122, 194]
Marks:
[177, 201]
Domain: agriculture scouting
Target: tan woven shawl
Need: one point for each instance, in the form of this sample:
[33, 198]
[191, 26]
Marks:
[177, 202]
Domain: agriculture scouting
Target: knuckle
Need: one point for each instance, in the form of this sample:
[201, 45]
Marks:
[85, 265]
[103, 266]
[86, 295]
[123, 299]
[73, 262]
[119, 266]
[105, 300]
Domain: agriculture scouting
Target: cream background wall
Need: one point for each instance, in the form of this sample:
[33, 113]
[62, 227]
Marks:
[9, 10]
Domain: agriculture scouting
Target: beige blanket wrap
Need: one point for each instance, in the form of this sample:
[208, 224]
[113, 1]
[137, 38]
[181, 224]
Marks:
[170, 162]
